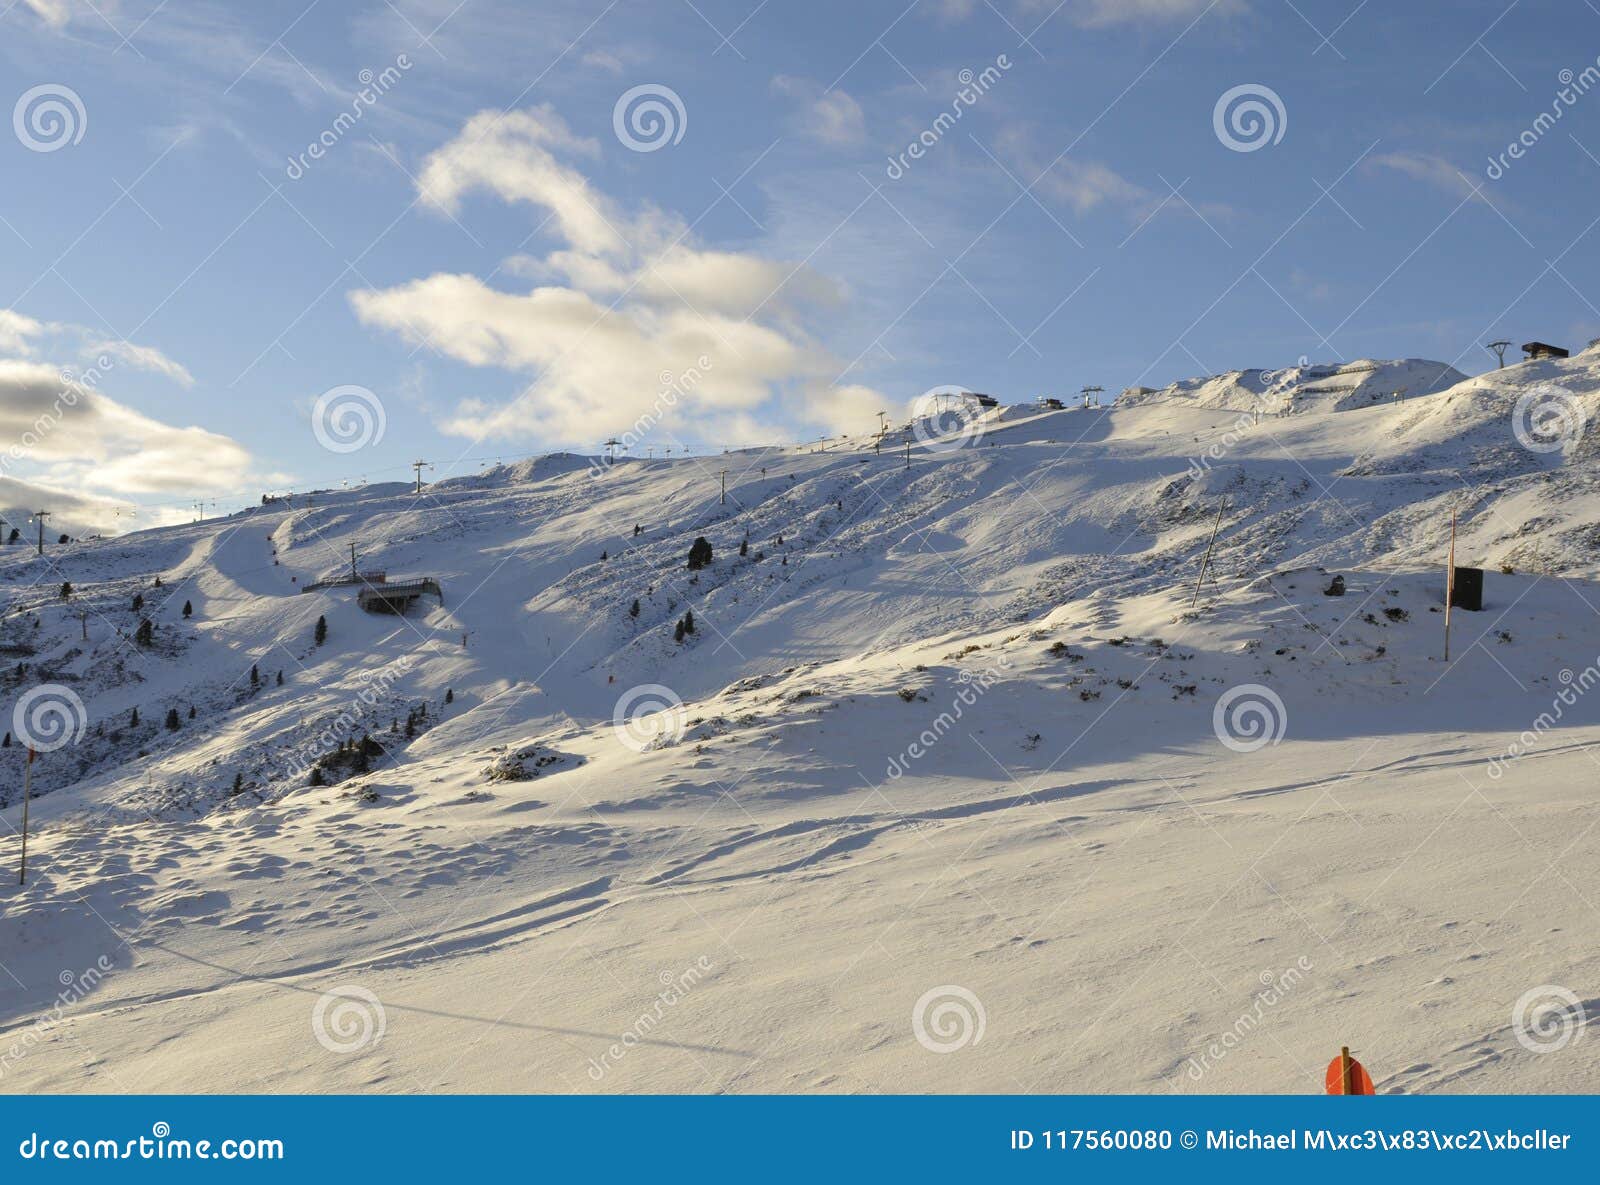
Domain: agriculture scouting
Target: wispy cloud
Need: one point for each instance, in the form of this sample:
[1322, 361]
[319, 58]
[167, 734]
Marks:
[1428, 168]
[829, 117]
[633, 300]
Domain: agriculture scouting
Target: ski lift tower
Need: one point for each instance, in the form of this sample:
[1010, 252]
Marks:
[1498, 348]
[1088, 391]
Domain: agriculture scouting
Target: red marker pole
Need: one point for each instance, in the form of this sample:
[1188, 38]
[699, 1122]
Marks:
[27, 793]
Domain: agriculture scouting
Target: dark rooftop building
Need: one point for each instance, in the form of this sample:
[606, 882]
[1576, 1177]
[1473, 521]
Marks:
[1534, 350]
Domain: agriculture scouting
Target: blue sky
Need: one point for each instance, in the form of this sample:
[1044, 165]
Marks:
[484, 253]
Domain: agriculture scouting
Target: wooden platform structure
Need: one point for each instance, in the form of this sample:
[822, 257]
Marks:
[398, 596]
[348, 579]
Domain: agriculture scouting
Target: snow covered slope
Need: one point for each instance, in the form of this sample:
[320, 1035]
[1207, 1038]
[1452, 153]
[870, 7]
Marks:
[1324, 387]
[958, 727]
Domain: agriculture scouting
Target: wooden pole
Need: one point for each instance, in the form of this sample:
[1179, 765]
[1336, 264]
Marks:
[1215, 527]
[1449, 585]
[27, 793]
[1346, 1074]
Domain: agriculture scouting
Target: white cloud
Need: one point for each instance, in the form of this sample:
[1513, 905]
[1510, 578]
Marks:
[64, 431]
[55, 13]
[1091, 14]
[829, 117]
[1071, 181]
[601, 60]
[18, 331]
[628, 305]
[142, 358]
[71, 512]
[21, 335]
[1428, 168]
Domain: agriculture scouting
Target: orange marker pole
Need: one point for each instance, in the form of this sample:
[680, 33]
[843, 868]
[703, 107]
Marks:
[1344, 1071]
